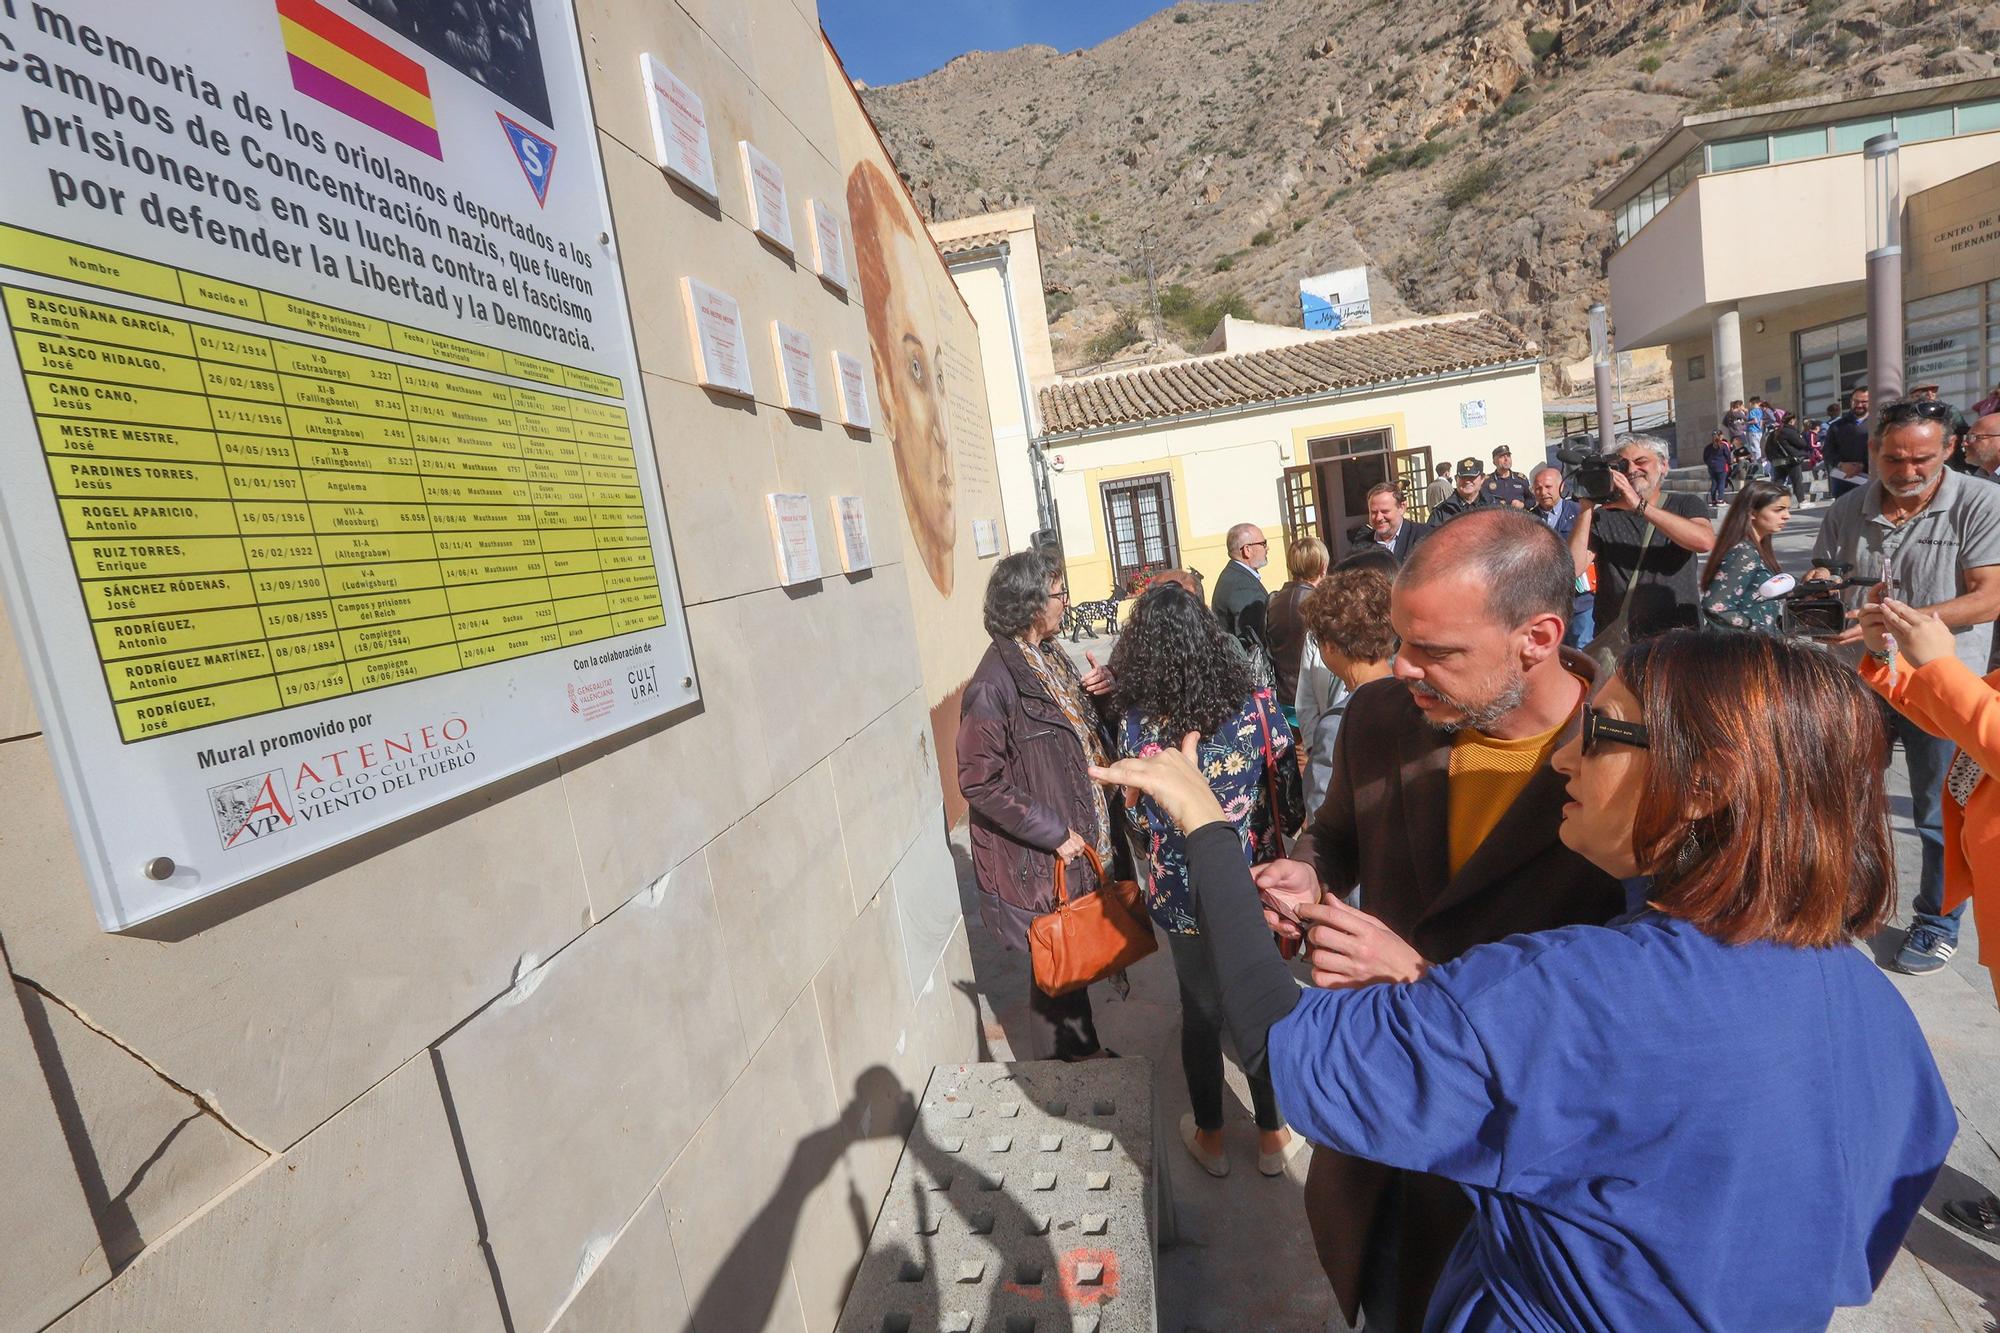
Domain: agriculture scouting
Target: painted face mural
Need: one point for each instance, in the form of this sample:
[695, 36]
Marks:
[908, 377]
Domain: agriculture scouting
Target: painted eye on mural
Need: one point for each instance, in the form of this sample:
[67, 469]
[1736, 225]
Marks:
[917, 367]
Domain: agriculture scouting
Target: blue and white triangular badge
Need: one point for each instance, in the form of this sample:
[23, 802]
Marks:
[536, 155]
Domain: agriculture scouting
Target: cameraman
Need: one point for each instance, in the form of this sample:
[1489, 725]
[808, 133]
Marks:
[1648, 580]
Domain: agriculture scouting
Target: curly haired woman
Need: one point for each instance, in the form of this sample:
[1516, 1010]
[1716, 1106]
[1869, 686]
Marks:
[1178, 671]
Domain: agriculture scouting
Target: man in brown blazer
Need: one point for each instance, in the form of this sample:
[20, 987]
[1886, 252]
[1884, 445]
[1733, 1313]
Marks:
[1444, 812]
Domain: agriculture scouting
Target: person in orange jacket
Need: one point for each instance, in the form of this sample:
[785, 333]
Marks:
[1912, 664]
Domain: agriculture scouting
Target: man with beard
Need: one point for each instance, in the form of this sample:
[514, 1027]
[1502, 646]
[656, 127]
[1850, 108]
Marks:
[1938, 532]
[1443, 811]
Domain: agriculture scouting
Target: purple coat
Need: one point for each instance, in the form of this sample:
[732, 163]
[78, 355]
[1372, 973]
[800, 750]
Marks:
[1021, 770]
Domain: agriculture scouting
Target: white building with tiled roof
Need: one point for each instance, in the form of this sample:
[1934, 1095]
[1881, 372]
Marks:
[1150, 467]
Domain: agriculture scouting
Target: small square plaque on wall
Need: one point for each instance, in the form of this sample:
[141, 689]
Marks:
[847, 371]
[985, 537]
[851, 522]
[771, 218]
[829, 244]
[715, 331]
[795, 368]
[793, 541]
[680, 128]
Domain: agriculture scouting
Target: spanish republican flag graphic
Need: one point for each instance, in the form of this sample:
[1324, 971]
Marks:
[359, 75]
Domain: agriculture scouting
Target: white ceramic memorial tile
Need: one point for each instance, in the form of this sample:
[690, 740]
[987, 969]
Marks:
[829, 243]
[772, 218]
[795, 368]
[680, 127]
[715, 331]
[985, 537]
[848, 372]
[793, 541]
[850, 520]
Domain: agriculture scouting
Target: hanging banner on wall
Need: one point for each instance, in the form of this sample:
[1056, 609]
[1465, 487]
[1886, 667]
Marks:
[327, 481]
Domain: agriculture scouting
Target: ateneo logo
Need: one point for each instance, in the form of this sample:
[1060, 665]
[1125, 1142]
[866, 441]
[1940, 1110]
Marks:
[248, 808]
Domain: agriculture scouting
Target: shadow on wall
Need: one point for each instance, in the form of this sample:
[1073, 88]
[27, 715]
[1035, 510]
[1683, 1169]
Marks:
[748, 1285]
[999, 976]
[746, 1288]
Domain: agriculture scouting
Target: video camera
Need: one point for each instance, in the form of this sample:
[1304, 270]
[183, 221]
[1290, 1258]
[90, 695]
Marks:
[1812, 608]
[1588, 473]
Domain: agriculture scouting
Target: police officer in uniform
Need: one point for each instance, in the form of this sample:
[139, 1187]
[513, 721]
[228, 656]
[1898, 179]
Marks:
[1506, 486]
[1467, 493]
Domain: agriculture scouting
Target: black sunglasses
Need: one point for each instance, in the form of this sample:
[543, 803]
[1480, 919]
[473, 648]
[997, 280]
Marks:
[1915, 409]
[1597, 727]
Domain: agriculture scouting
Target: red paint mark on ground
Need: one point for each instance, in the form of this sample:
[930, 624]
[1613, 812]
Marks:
[1075, 1292]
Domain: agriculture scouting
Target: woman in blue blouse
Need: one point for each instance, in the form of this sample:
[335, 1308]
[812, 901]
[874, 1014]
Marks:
[1712, 1113]
[1179, 671]
[1743, 559]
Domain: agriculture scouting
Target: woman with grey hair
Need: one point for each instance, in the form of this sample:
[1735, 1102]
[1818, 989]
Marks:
[1029, 724]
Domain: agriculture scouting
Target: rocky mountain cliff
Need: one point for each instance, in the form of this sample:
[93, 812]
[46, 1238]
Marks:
[1451, 146]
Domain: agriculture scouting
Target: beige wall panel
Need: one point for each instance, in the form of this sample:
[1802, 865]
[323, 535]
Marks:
[761, 1182]
[363, 1226]
[724, 22]
[818, 458]
[50, 1253]
[575, 1090]
[716, 466]
[151, 1154]
[282, 1006]
[654, 796]
[885, 780]
[17, 702]
[781, 891]
[843, 647]
[791, 69]
[614, 37]
[927, 905]
[885, 501]
[867, 1014]
[636, 1286]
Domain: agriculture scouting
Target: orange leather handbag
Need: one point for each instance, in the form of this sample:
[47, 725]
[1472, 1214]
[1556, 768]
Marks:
[1089, 938]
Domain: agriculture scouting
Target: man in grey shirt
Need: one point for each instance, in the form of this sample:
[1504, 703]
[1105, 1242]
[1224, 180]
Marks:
[1938, 533]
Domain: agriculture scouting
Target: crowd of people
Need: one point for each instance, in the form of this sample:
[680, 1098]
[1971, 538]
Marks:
[1575, 823]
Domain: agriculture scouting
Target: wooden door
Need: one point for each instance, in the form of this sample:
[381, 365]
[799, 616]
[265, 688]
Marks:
[1298, 503]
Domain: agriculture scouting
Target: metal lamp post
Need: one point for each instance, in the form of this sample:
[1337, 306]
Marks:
[1600, 371]
[1882, 193]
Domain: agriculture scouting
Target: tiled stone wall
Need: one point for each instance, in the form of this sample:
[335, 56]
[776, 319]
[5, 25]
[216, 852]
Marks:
[625, 1041]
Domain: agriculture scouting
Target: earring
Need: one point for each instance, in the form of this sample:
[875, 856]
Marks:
[1689, 853]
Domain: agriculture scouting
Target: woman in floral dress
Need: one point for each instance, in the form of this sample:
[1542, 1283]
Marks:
[1742, 560]
[1178, 671]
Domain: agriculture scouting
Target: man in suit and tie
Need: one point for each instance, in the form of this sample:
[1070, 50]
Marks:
[1240, 596]
[1443, 811]
[1386, 524]
[1559, 512]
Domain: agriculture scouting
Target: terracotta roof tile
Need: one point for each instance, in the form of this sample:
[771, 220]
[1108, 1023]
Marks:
[1351, 361]
[983, 241]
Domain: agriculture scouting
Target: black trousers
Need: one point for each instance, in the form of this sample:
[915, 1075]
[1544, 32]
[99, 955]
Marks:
[1060, 1027]
[1201, 1038]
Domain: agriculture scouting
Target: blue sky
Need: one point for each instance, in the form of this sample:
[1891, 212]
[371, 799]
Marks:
[887, 41]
